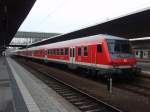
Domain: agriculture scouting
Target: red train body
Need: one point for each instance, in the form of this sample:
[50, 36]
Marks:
[103, 53]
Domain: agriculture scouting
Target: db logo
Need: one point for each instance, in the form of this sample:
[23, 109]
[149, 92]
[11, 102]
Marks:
[125, 60]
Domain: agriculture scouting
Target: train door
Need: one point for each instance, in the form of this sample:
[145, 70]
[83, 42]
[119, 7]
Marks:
[72, 55]
[93, 54]
[46, 53]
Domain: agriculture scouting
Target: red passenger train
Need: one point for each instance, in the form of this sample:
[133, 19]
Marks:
[109, 55]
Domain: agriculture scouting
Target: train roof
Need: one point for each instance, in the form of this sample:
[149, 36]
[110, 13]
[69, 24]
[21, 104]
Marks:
[79, 41]
[112, 37]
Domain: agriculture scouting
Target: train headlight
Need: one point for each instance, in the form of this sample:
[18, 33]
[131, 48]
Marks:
[124, 60]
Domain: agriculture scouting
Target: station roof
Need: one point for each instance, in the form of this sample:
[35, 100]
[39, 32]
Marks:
[12, 14]
[141, 43]
[133, 25]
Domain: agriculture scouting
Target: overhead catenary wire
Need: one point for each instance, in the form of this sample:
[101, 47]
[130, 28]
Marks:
[51, 13]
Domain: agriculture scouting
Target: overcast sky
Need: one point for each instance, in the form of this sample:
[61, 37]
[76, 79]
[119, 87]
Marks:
[62, 16]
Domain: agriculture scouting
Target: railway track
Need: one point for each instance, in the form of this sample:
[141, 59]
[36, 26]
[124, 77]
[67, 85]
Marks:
[144, 76]
[140, 88]
[141, 85]
[82, 100]
[136, 88]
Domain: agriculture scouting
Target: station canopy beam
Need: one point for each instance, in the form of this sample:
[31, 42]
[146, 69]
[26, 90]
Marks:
[135, 25]
[141, 44]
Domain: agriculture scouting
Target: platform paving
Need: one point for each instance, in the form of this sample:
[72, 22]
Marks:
[6, 98]
[38, 96]
[10, 97]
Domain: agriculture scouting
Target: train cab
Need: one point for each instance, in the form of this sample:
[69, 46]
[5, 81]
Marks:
[121, 56]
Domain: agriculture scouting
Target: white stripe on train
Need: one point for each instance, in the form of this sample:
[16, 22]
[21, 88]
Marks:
[83, 63]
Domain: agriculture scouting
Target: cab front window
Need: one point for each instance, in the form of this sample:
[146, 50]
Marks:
[119, 48]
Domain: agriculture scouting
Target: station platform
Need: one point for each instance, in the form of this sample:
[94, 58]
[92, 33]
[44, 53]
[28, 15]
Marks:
[21, 91]
[6, 96]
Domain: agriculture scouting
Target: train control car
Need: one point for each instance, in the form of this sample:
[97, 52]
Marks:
[106, 54]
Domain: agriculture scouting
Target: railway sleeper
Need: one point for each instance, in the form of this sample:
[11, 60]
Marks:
[90, 106]
[72, 97]
[67, 94]
[53, 83]
[56, 86]
[80, 103]
[64, 90]
[96, 110]
[77, 99]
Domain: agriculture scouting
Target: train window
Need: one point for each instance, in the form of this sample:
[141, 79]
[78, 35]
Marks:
[70, 52]
[49, 52]
[66, 51]
[46, 51]
[62, 51]
[73, 52]
[136, 52]
[42, 52]
[58, 51]
[85, 51]
[99, 48]
[79, 51]
[35, 52]
[54, 51]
